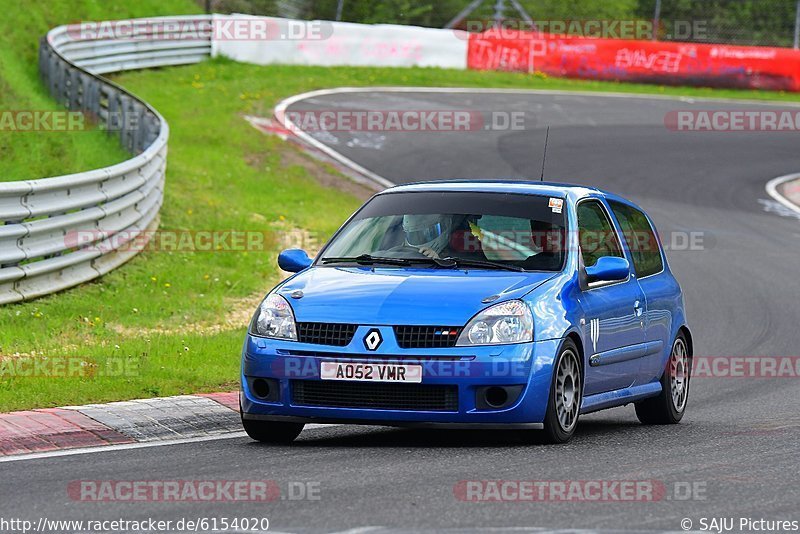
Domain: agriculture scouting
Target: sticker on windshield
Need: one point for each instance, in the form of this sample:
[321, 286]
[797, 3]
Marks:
[556, 204]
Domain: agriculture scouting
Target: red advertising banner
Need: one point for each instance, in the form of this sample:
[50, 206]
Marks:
[668, 63]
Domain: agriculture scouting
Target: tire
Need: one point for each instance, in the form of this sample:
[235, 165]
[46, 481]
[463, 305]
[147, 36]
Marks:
[272, 431]
[566, 395]
[670, 405]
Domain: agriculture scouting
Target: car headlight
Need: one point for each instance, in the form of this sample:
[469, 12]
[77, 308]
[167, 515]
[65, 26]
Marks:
[504, 323]
[274, 319]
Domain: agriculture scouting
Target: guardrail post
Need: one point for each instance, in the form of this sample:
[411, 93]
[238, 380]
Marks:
[58, 82]
[797, 27]
[44, 72]
[153, 128]
[656, 19]
[74, 98]
[124, 123]
[113, 112]
[138, 128]
[90, 95]
[50, 65]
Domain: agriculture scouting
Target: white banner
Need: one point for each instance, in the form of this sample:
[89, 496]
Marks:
[267, 40]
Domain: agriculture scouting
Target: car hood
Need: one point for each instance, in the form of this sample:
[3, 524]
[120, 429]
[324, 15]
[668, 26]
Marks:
[388, 296]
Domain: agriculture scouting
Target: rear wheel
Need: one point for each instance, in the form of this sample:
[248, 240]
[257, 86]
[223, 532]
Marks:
[669, 406]
[272, 431]
[566, 394]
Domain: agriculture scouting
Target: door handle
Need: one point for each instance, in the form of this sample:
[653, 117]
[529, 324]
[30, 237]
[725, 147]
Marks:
[637, 307]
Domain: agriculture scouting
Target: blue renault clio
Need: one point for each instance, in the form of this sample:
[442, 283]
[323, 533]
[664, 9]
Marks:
[464, 304]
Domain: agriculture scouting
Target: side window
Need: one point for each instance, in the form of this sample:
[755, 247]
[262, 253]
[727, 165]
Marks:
[596, 234]
[644, 245]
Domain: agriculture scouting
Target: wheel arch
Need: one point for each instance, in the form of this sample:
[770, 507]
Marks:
[689, 341]
[573, 335]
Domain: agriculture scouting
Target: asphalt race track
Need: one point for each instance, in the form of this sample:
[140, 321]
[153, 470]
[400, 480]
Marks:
[737, 446]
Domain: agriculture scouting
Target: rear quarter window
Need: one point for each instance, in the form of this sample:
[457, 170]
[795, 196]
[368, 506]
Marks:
[642, 241]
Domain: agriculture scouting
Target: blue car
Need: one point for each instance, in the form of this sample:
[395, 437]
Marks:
[464, 304]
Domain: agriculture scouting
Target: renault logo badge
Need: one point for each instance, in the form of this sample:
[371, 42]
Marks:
[373, 339]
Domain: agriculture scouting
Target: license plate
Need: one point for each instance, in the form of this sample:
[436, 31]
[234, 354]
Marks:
[371, 372]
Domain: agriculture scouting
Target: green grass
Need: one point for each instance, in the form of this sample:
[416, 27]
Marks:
[30, 155]
[311, 78]
[162, 310]
[167, 315]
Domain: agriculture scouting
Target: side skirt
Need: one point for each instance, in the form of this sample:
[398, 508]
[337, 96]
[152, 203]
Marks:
[619, 397]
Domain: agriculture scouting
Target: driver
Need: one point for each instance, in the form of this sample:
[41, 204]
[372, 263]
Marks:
[428, 233]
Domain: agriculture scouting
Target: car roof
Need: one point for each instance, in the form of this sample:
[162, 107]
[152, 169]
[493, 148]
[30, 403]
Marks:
[553, 189]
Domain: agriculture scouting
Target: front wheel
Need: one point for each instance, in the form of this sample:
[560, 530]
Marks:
[669, 406]
[272, 431]
[566, 394]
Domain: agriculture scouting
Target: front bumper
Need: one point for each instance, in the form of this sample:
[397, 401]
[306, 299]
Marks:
[468, 369]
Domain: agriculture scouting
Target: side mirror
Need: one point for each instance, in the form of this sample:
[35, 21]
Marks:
[608, 269]
[294, 260]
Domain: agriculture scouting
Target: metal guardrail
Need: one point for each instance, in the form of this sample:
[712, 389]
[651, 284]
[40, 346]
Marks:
[59, 232]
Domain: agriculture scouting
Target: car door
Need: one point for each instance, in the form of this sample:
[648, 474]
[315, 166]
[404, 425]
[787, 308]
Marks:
[613, 313]
[659, 287]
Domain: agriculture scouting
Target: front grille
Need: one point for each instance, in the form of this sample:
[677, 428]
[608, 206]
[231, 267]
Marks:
[426, 337]
[337, 335]
[381, 395]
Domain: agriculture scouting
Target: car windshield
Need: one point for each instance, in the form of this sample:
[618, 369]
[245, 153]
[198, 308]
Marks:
[454, 229]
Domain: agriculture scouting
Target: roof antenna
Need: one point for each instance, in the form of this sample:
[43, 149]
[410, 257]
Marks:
[544, 154]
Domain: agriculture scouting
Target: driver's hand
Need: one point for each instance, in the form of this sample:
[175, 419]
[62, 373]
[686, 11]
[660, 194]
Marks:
[429, 252]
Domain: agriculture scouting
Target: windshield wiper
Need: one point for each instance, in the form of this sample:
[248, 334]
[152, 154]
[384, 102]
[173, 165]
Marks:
[366, 259]
[452, 261]
[449, 262]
